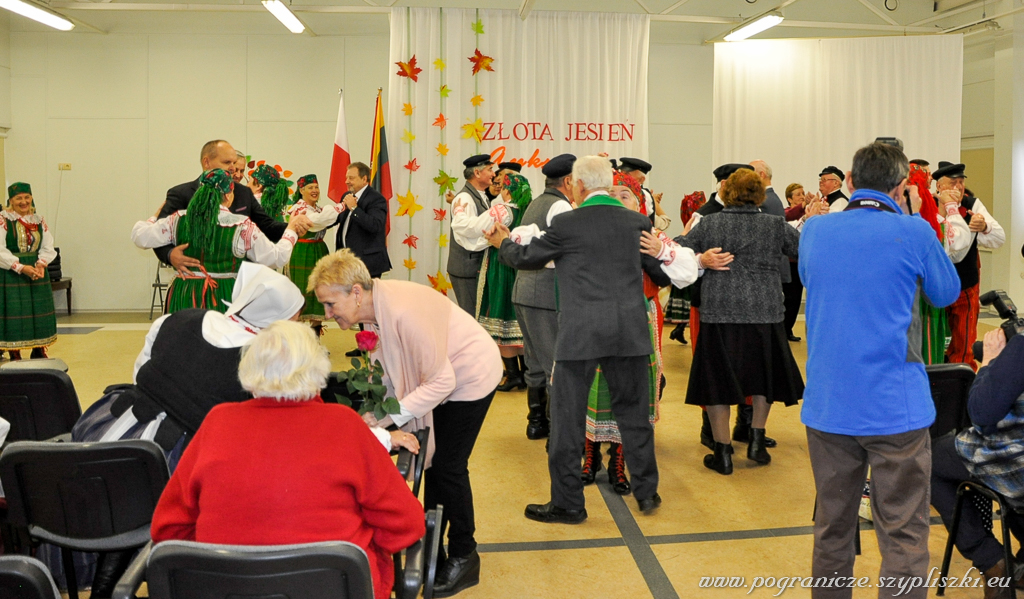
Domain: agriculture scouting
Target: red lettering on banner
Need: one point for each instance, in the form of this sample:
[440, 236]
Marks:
[545, 133]
[520, 131]
[501, 132]
[594, 132]
[487, 134]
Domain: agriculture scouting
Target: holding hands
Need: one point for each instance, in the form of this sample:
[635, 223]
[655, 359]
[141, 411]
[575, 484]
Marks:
[949, 196]
[300, 224]
[496, 234]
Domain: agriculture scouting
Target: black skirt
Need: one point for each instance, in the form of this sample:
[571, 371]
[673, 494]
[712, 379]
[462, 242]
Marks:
[734, 361]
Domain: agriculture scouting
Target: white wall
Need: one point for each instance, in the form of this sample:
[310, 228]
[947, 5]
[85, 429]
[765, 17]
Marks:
[679, 90]
[130, 112]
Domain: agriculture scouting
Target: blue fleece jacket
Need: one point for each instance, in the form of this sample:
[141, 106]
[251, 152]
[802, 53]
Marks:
[863, 270]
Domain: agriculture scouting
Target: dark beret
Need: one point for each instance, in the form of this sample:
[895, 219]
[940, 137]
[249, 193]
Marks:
[722, 173]
[559, 166]
[634, 164]
[512, 166]
[833, 170]
[920, 162]
[478, 160]
[946, 169]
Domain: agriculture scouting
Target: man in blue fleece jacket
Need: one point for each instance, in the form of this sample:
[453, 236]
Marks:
[867, 401]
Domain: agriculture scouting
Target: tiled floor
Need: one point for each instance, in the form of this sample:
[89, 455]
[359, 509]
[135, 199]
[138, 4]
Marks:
[753, 523]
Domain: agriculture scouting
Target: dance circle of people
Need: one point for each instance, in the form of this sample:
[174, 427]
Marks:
[229, 369]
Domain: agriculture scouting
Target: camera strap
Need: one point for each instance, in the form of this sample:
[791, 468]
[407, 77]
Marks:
[869, 203]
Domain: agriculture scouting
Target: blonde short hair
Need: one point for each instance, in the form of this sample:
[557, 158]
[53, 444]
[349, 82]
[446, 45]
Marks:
[284, 361]
[340, 269]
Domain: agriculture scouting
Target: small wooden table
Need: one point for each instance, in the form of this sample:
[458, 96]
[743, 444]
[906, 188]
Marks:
[64, 284]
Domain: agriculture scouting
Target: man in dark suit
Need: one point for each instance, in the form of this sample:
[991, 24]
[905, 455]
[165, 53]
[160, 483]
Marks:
[362, 222]
[219, 154]
[596, 249]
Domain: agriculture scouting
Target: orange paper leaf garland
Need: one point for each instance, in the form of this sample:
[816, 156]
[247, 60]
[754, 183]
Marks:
[481, 62]
[410, 240]
[476, 100]
[439, 282]
[440, 214]
[409, 263]
[412, 166]
[409, 69]
[441, 121]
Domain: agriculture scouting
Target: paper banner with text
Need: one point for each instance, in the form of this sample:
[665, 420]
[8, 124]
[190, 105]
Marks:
[469, 81]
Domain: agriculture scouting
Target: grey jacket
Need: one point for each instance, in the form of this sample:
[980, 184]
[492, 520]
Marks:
[536, 288]
[773, 205]
[750, 291]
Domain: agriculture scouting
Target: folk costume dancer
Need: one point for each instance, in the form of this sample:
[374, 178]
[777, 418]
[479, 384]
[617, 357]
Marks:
[466, 253]
[311, 246]
[27, 317]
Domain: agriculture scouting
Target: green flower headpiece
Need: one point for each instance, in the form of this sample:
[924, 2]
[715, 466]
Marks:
[17, 188]
[519, 187]
[201, 218]
[275, 191]
[303, 181]
[266, 175]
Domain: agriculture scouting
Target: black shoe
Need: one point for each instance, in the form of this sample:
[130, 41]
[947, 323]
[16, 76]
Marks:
[756, 450]
[647, 506]
[552, 514]
[721, 460]
[617, 470]
[793, 338]
[38, 352]
[677, 333]
[706, 438]
[741, 432]
[591, 462]
[513, 375]
[457, 575]
[538, 426]
[355, 353]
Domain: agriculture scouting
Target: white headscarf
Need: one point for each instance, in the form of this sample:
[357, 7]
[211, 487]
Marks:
[262, 296]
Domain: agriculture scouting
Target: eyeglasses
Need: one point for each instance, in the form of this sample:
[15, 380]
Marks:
[828, 178]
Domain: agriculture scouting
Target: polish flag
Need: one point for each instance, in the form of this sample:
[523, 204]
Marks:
[336, 188]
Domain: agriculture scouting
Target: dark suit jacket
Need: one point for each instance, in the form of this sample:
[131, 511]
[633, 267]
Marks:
[366, 236]
[598, 267]
[245, 204]
[773, 205]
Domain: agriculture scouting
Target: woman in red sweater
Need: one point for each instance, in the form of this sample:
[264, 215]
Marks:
[286, 468]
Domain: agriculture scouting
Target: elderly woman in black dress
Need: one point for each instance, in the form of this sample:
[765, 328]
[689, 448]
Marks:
[742, 348]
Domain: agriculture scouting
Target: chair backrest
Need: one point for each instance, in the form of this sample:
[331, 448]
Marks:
[84, 496]
[950, 385]
[39, 404]
[23, 577]
[328, 570]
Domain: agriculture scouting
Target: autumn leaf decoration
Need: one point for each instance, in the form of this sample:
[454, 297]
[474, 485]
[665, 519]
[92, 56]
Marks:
[409, 263]
[476, 100]
[444, 91]
[409, 69]
[412, 166]
[407, 205]
[440, 214]
[481, 62]
[441, 121]
[439, 282]
[477, 27]
[445, 182]
[473, 130]
[407, 109]
[410, 240]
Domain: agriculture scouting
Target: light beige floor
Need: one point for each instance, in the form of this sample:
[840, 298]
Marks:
[509, 471]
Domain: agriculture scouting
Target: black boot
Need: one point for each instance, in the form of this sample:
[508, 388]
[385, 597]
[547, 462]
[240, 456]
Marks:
[591, 462]
[538, 426]
[109, 569]
[677, 333]
[721, 460]
[617, 469]
[756, 450]
[741, 432]
[38, 352]
[707, 439]
[513, 375]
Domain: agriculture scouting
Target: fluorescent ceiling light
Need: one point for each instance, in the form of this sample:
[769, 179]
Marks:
[279, 10]
[35, 13]
[765, 21]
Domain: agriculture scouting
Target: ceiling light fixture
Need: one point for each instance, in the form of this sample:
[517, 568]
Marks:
[755, 26]
[36, 13]
[279, 10]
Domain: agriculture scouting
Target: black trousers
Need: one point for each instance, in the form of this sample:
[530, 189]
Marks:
[630, 397]
[456, 427]
[793, 292]
[973, 540]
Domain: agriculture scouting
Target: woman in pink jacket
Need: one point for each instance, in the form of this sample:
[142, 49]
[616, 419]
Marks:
[443, 367]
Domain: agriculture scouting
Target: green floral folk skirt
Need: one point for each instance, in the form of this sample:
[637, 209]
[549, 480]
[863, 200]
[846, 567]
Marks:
[208, 293]
[27, 318]
[934, 333]
[601, 425]
[494, 308]
[304, 257]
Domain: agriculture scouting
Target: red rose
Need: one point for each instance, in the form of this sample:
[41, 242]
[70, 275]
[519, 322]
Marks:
[366, 340]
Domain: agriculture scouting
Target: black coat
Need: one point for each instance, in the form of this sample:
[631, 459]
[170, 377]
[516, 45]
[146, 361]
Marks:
[244, 203]
[366, 233]
[599, 268]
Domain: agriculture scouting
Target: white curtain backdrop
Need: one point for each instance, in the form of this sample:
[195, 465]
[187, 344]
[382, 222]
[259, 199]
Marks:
[802, 105]
[557, 75]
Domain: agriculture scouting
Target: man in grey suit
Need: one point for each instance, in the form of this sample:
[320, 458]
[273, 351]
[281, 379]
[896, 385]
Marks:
[596, 249]
[533, 296]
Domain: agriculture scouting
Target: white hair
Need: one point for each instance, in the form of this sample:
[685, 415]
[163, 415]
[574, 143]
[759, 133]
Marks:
[594, 172]
[284, 361]
[763, 167]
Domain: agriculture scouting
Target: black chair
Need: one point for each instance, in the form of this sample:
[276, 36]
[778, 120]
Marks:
[23, 577]
[950, 386]
[39, 404]
[83, 496]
